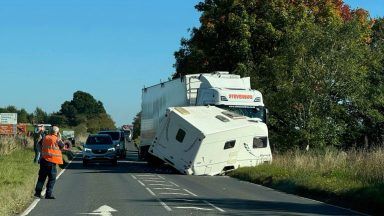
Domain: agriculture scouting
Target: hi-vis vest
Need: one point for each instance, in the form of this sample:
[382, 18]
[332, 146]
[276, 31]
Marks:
[50, 150]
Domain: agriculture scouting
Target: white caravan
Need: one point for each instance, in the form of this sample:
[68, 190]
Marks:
[206, 140]
[221, 89]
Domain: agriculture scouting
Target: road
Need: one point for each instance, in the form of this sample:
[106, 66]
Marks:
[134, 188]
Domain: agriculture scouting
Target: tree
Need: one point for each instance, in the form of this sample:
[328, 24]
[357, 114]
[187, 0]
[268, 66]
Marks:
[22, 116]
[136, 126]
[40, 116]
[312, 60]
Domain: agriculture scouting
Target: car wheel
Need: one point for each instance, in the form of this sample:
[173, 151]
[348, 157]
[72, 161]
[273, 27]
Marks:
[85, 163]
[114, 162]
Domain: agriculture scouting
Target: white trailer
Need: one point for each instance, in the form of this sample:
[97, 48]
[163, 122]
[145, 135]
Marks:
[221, 89]
[206, 140]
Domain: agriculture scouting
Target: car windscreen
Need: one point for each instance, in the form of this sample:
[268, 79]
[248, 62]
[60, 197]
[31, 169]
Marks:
[114, 134]
[99, 140]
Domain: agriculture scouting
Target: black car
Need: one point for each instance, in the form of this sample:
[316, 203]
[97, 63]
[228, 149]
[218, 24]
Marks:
[99, 148]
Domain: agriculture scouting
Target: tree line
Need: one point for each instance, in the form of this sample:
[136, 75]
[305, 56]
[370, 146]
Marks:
[318, 63]
[83, 113]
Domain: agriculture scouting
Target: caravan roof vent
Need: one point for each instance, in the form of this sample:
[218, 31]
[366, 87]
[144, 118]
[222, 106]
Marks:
[233, 115]
[222, 118]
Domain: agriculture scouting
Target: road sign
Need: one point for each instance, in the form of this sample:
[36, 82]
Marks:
[8, 118]
[7, 129]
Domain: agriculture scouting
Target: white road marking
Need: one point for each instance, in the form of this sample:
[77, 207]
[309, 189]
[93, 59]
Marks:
[37, 200]
[190, 192]
[164, 185]
[182, 194]
[156, 181]
[164, 205]
[191, 207]
[165, 189]
[141, 183]
[134, 177]
[174, 184]
[184, 200]
[144, 175]
[161, 177]
[102, 211]
[214, 206]
[150, 191]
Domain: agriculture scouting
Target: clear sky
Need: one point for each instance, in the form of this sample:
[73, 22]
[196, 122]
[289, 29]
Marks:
[109, 48]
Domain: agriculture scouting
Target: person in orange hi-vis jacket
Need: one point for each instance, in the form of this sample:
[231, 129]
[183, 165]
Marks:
[50, 157]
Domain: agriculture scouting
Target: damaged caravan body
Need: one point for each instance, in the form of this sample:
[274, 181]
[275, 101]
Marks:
[207, 140]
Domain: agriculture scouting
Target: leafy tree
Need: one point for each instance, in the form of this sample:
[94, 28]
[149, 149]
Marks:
[136, 126]
[311, 59]
[22, 116]
[40, 116]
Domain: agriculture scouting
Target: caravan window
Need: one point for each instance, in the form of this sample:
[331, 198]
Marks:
[260, 142]
[230, 144]
[180, 135]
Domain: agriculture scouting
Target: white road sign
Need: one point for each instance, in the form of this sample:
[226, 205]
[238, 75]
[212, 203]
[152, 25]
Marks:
[8, 118]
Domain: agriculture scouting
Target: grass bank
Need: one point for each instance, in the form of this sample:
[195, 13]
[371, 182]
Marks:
[18, 175]
[354, 179]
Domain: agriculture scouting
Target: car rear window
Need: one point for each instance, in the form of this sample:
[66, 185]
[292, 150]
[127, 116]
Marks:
[99, 140]
[114, 135]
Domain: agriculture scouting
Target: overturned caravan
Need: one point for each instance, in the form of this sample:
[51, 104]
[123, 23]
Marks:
[206, 140]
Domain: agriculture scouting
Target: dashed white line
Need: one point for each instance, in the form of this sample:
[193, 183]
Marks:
[164, 205]
[145, 175]
[213, 206]
[141, 183]
[174, 184]
[190, 192]
[150, 191]
[161, 177]
[134, 177]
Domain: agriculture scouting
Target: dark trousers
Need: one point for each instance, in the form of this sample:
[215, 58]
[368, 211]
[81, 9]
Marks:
[47, 169]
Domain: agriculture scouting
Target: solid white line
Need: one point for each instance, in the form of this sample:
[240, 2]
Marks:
[214, 206]
[174, 184]
[150, 191]
[134, 177]
[182, 194]
[161, 177]
[164, 205]
[184, 200]
[144, 175]
[190, 192]
[141, 183]
[191, 207]
[165, 189]
[37, 200]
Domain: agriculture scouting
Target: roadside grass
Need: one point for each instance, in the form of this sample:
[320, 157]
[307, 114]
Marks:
[353, 179]
[18, 175]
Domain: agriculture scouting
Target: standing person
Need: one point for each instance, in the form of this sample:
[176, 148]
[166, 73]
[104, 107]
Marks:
[38, 137]
[50, 157]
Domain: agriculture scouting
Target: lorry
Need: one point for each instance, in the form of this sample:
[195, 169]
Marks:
[207, 140]
[221, 89]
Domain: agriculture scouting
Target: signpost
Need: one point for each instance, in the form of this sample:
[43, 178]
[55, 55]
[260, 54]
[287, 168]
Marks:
[8, 123]
[8, 118]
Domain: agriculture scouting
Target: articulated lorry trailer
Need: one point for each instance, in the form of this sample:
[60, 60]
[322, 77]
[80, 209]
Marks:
[221, 89]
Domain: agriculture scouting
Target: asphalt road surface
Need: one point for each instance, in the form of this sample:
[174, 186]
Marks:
[134, 188]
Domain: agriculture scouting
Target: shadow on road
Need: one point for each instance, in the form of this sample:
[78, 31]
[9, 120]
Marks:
[242, 207]
[130, 164]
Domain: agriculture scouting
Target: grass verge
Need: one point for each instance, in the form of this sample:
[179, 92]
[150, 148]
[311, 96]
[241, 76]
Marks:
[354, 180]
[18, 175]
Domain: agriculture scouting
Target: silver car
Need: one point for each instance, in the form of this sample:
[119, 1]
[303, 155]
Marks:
[99, 148]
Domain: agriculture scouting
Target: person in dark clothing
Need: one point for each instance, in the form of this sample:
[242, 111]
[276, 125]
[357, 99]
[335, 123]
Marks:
[38, 137]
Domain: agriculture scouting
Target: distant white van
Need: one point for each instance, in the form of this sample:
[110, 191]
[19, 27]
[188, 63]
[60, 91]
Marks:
[206, 140]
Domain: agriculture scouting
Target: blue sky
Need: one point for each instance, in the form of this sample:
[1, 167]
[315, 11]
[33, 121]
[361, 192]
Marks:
[109, 48]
